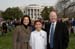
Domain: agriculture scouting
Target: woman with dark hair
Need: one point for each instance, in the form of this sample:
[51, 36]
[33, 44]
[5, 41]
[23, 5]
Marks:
[21, 34]
[25, 18]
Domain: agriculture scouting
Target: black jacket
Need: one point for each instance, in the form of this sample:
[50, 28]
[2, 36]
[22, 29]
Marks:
[61, 35]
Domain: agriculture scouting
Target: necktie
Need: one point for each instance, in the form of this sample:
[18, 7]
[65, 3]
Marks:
[51, 36]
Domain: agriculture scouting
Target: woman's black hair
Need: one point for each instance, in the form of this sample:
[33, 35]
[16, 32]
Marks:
[23, 19]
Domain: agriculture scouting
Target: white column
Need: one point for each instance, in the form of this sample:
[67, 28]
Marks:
[36, 14]
[30, 13]
[39, 13]
[33, 14]
[27, 11]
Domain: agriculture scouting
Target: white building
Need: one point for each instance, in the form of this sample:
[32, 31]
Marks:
[33, 10]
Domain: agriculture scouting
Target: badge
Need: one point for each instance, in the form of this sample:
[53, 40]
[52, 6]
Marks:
[41, 35]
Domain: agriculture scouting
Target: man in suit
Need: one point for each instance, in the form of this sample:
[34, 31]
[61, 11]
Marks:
[57, 33]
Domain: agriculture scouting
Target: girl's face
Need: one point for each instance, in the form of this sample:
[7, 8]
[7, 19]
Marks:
[26, 21]
[38, 25]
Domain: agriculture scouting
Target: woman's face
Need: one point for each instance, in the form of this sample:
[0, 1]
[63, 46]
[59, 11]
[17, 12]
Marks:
[26, 21]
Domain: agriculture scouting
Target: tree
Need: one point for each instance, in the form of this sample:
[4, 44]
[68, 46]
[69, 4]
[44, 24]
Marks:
[64, 7]
[12, 13]
[45, 12]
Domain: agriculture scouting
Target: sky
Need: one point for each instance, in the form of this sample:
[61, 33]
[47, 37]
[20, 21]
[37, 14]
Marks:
[13, 3]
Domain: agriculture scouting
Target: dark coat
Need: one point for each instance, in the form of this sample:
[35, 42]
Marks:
[61, 35]
[21, 37]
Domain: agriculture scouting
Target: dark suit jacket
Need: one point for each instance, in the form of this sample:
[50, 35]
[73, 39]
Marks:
[61, 35]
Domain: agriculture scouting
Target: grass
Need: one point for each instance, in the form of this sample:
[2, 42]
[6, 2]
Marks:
[71, 42]
[6, 41]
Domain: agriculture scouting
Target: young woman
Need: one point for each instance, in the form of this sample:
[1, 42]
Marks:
[21, 34]
[38, 37]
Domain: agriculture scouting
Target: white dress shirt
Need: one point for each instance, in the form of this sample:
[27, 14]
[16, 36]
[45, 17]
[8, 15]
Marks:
[38, 40]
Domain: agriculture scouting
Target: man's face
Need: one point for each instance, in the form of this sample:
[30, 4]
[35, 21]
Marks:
[53, 16]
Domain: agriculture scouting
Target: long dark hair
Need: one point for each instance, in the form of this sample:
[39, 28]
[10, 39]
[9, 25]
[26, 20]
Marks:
[23, 19]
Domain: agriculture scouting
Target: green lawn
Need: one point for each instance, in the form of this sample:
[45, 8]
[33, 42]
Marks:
[72, 42]
[6, 41]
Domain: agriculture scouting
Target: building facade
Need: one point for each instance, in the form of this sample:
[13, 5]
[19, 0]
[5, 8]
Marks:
[33, 10]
